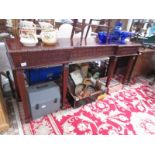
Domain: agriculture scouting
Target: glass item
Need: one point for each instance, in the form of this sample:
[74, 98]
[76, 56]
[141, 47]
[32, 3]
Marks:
[117, 36]
[152, 30]
[118, 26]
[102, 36]
[116, 32]
[124, 35]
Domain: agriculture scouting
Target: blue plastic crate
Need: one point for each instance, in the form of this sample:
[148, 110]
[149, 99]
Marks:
[40, 75]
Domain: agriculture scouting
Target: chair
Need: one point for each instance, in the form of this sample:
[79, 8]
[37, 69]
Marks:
[85, 28]
[5, 68]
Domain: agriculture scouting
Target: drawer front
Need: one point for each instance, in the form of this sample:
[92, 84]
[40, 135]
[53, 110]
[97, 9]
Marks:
[127, 50]
[105, 51]
[79, 54]
[20, 60]
[42, 58]
[90, 53]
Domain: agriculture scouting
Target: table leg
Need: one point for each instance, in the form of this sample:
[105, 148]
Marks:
[111, 69]
[137, 69]
[130, 66]
[64, 83]
[19, 74]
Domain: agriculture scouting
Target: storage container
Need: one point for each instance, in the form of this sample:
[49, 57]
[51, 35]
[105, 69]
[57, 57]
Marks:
[75, 101]
[40, 75]
[44, 99]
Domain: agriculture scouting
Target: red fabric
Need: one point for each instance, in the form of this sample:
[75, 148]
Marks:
[130, 111]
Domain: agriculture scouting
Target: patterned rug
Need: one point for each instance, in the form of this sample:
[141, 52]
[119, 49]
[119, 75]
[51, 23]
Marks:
[130, 111]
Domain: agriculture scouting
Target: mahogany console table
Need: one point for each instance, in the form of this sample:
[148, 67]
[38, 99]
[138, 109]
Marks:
[144, 62]
[66, 51]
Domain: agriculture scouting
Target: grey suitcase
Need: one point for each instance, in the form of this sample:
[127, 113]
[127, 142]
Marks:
[44, 99]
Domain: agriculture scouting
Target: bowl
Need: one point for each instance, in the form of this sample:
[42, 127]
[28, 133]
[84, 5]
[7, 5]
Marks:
[29, 40]
[49, 37]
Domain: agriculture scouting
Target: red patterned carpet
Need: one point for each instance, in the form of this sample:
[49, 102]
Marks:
[130, 111]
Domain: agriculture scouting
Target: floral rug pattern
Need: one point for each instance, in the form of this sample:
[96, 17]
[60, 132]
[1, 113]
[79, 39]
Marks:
[130, 111]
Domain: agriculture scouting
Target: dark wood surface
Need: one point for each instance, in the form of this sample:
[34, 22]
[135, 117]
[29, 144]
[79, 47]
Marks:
[64, 83]
[129, 69]
[146, 50]
[111, 69]
[144, 62]
[14, 45]
[23, 94]
[66, 51]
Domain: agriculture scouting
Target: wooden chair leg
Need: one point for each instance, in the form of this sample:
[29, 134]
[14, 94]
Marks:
[11, 84]
[88, 28]
[108, 30]
[0, 81]
[7, 75]
[73, 30]
[83, 25]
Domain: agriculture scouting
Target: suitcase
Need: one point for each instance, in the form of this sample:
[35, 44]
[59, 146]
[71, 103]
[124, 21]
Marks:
[44, 99]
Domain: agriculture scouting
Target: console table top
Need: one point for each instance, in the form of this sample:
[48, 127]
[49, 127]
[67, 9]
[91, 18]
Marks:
[14, 45]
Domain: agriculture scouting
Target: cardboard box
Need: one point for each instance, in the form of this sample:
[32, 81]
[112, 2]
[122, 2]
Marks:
[114, 85]
[4, 124]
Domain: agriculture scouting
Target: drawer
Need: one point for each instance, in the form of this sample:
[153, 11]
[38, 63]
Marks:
[84, 53]
[41, 58]
[107, 51]
[127, 50]
[91, 52]
[20, 59]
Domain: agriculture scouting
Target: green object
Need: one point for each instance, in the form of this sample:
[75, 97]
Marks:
[96, 75]
[149, 40]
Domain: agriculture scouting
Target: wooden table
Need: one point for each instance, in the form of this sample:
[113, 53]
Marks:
[66, 51]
